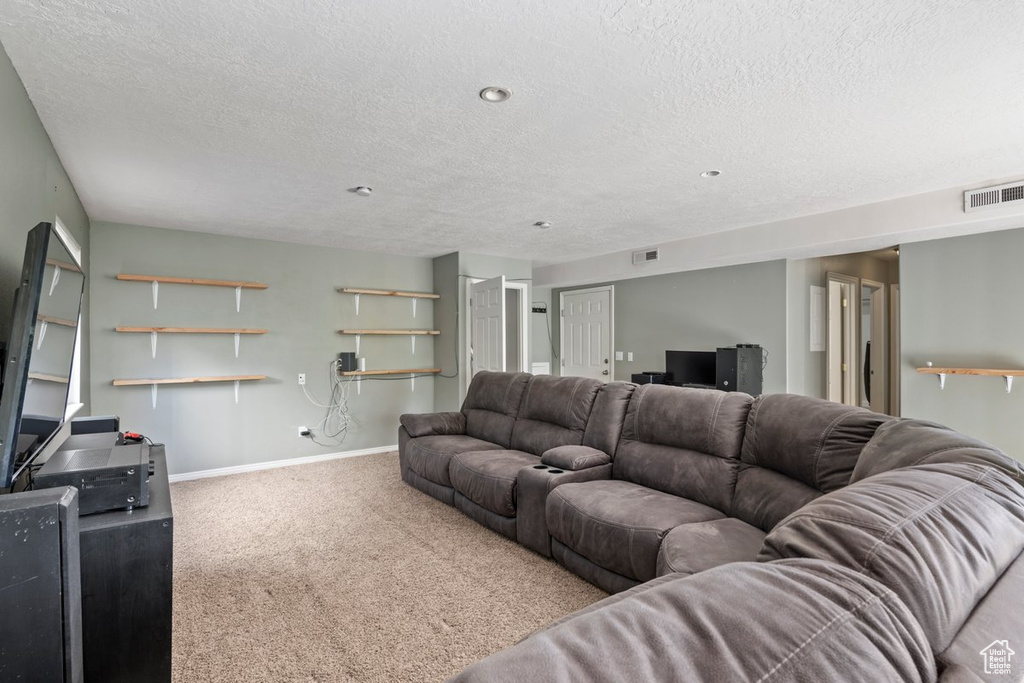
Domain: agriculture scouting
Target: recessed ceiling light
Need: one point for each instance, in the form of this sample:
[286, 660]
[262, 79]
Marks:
[363, 191]
[710, 174]
[543, 225]
[495, 93]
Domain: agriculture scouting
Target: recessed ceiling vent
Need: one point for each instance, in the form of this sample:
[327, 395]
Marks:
[987, 197]
[645, 256]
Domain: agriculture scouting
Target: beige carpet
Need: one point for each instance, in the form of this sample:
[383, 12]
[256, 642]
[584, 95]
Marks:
[338, 571]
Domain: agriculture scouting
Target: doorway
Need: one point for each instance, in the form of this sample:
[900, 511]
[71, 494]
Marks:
[497, 326]
[587, 330]
[841, 341]
[873, 347]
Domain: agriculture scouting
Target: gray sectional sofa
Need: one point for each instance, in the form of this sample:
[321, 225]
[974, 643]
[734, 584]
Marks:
[776, 538]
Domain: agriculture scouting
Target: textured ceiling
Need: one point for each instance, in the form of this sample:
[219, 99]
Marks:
[249, 117]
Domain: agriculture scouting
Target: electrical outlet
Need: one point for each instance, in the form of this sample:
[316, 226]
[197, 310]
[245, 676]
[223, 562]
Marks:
[618, 355]
[629, 356]
[303, 432]
[302, 379]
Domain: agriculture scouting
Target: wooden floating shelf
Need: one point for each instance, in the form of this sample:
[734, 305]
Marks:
[186, 380]
[192, 281]
[192, 330]
[984, 372]
[1007, 375]
[405, 333]
[43, 377]
[63, 265]
[57, 321]
[388, 292]
[419, 371]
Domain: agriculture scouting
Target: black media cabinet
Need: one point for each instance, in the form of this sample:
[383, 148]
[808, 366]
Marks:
[127, 564]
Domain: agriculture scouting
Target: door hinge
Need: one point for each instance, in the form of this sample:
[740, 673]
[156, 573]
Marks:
[844, 303]
[843, 367]
[562, 312]
[563, 362]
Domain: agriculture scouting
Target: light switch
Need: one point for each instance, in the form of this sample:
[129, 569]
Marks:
[618, 355]
[629, 356]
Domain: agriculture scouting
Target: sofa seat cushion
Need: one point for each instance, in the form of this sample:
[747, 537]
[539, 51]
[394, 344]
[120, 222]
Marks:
[692, 548]
[430, 456]
[619, 525]
[488, 478]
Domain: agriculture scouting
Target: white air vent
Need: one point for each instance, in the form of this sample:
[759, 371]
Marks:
[987, 197]
[645, 256]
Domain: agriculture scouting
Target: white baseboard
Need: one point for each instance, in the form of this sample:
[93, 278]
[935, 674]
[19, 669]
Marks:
[306, 460]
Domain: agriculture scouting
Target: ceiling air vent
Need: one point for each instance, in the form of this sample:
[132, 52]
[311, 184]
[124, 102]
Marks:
[987, 197]
[644, 256]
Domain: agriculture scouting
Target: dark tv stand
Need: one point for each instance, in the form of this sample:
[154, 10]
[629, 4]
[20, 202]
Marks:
[127, 562]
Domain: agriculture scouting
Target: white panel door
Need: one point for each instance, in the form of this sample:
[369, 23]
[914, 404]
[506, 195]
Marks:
[487, 341]
[587, 333]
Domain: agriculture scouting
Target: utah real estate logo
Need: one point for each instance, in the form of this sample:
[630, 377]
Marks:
[997, 657]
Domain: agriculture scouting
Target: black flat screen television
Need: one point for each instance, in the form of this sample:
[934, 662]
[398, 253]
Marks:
[40, 351]
[691, 367]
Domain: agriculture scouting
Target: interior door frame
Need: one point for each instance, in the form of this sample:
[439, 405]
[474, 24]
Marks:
[524, 332]
[850, 338]
[883, 350]
[611, 325]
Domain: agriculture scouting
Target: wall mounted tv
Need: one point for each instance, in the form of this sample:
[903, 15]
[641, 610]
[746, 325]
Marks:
[40, 352]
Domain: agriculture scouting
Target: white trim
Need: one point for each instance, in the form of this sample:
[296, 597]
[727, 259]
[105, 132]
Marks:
[611, 325]
[306, 460]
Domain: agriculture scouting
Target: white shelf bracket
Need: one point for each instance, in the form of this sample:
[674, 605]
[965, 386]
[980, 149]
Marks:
[413, 338]
[1009, 382]
[412, 382]
[237, 384]
[152, 389]
[42, 334]
[942, 380]
[152, 343]
[56, 279]
[238, 339]
[156, 293]
[359, 386]
[357, 344]
[414, 307]
[238, 299]
[357, 304]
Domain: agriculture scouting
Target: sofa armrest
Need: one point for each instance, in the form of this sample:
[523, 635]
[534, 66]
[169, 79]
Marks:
[533, 485]
[433, 424]
[575, 458]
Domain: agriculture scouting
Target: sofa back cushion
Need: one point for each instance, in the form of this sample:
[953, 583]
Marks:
[553, 413]
[683, 441]
[906, 442]
[605, 424]
[939, 536]
[794, 449]
[492, 404]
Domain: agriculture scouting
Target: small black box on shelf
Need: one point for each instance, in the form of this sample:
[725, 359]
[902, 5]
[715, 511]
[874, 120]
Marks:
[347, 362]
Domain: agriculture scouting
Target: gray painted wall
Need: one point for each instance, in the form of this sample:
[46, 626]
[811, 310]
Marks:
[201, 424]
[447, 345]
[33, 188]
[961, 307]
[700, 310]
[540, 326]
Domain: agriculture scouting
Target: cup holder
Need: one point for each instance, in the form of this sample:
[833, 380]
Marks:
[540, 467]
[555, 472]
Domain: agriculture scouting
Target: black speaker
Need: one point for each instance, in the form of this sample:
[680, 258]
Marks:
[348, 361]
[738, 368]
